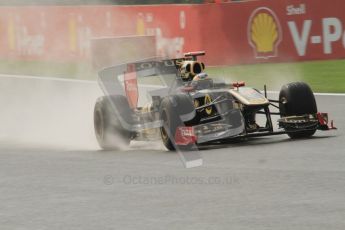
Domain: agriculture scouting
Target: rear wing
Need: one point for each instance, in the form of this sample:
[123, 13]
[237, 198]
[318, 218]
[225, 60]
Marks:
[126, 79]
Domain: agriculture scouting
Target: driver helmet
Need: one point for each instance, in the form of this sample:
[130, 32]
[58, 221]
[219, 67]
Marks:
[200, 76]
[201, 81]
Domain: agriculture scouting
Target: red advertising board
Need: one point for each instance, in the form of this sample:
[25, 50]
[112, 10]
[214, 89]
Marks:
[271, 31]
[230, 33]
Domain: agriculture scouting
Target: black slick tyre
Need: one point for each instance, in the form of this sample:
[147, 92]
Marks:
[296, 99]
[175, 111]
[109, 132]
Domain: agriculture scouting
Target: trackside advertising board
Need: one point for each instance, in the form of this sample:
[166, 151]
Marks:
[230, 33]
[271, 31]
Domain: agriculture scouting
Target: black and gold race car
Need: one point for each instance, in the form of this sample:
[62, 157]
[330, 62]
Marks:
[184, 107]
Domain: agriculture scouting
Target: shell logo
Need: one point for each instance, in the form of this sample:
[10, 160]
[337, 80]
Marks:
[264, 33]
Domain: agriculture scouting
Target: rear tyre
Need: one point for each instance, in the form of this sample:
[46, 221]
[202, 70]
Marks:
[176, 111]
[297, 99]
[110, 134]
[168, 129]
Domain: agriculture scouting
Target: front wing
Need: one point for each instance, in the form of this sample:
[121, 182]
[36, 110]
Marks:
[221, 130]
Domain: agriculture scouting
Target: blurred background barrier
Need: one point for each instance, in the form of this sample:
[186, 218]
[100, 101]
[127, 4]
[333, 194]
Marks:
[100, 2]
[106, 52]
[233, 33]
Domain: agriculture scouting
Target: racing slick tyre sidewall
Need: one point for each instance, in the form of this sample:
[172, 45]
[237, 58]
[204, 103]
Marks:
[108, 130]
[297, 99]
[173, 109]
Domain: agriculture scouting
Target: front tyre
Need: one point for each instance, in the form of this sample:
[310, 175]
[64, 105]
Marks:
[296, 99]
[175, 111]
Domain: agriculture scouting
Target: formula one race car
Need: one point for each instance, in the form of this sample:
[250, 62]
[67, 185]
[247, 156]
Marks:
[186, 107]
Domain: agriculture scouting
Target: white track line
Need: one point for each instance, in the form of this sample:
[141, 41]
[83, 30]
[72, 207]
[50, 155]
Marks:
[318, 94]
[94, 82]
[47, 78]
[62, 79]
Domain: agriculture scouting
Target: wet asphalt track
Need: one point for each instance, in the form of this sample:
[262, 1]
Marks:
[266, 183]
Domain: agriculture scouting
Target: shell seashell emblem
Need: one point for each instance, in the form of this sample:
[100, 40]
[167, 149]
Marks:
[264, 33]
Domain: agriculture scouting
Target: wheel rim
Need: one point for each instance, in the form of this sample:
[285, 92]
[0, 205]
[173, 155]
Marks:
[99, 124]
[164, 133]
[282, 106]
